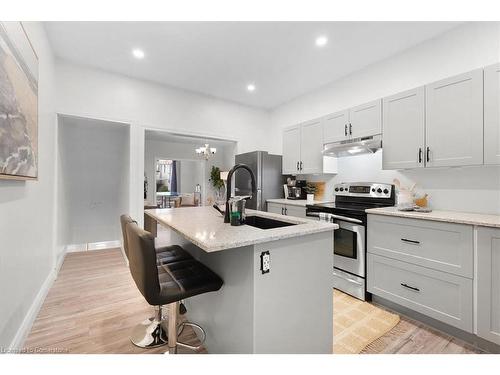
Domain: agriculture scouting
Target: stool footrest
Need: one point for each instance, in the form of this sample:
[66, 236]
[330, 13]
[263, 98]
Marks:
[192, 347]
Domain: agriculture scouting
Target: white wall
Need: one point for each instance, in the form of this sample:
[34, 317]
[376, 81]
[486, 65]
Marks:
[190, 173]
[97, 94]
[464, 48]
[94, 176]
[224, 159]
[27, 215]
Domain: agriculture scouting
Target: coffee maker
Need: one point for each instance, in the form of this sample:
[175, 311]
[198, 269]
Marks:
[296, 189]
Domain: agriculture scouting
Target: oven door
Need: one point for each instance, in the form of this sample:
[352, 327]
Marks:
[349, 248]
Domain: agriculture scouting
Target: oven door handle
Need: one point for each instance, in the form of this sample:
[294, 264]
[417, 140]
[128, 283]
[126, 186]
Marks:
[338, 217]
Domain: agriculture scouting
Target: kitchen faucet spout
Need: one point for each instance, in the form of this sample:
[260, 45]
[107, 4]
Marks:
[227, 218]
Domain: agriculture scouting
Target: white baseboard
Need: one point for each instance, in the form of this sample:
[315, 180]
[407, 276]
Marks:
[102, 245]
[29, 318]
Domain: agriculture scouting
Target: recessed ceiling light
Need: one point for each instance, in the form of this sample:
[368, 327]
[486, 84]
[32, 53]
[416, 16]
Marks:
[251, 87]
[138, 53]
[321, 41]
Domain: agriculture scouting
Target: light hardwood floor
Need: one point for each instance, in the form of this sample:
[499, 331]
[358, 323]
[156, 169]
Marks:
[92, 308]
[412, 337]
[94, 304]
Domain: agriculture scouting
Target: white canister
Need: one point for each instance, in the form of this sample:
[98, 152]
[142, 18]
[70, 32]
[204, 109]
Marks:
[405, 198]
[310, 198]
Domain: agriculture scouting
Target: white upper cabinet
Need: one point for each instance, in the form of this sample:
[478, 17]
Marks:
[311, 147]
[366, 119]
[335, 126]
[403, 130]
[454, 121]
[492, 114]
[303, 150]
[291, 150]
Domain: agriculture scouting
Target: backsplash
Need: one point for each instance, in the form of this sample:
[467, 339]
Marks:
[469, 189]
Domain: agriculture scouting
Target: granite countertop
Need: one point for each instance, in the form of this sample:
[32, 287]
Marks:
[205, 227]
[292, 202]
[485, 220]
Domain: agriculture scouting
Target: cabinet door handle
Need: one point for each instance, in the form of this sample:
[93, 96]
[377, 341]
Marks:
[428, 154]
[345, 130]
[350, 129]
[297, 165]
[420, 155]
[410, 241]
[410, 287]
[282, 210]
[300, 165]
[286, 211]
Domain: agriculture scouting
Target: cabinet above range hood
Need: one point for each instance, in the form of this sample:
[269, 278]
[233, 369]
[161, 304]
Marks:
[354, 146]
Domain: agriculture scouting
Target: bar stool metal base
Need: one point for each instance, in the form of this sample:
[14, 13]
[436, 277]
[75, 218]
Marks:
[150, 333]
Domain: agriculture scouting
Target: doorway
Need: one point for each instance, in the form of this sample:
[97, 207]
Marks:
[93, 182]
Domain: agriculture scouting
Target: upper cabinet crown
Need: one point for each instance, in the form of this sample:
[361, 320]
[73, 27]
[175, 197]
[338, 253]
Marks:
[361, 121]
[492, 114]
[439, 125]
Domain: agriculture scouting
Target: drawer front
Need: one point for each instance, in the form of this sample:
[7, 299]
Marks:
[440, 295]
[440, 246]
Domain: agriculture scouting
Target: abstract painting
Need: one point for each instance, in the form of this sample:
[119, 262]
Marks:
[18, 104]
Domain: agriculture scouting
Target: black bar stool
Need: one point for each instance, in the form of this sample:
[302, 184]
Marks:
[166, 284]
[143, 335]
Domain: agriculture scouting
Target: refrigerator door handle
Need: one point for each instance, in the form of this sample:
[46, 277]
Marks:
[259, 200]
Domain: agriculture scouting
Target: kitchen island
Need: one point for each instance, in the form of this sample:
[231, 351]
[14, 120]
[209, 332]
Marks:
[286, 310]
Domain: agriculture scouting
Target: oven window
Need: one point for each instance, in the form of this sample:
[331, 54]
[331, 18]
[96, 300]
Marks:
[345, 243]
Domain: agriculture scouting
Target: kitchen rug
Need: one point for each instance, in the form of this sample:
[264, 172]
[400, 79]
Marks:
[356, 324]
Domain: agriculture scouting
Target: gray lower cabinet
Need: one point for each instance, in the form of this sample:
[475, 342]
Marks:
[286, 209]
[442, 246]
[296, 211]
[423, 265]
[440, 295]
[275, 208]
[488, 284]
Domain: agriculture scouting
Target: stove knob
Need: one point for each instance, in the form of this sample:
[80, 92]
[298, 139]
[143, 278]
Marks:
[336, 189]
[341, 189]
[373, 190]
[379, 190]
[386, 191]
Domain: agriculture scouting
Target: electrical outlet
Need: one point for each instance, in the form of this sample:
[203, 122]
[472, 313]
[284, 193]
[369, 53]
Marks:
[265, 262]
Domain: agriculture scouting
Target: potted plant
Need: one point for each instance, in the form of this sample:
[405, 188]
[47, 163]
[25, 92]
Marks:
[310, 190]
[217, 182]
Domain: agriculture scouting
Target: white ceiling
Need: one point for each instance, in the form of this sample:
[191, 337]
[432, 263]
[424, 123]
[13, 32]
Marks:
[221, 58]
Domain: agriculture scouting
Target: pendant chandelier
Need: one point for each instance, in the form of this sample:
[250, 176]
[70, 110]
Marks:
[206, 151]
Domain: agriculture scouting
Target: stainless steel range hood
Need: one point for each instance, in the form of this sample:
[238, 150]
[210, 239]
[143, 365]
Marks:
[355, 146]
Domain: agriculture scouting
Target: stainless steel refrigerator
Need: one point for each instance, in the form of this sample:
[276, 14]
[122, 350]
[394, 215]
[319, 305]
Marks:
[269, 180]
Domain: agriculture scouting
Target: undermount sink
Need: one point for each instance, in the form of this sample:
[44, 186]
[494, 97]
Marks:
[266, 223]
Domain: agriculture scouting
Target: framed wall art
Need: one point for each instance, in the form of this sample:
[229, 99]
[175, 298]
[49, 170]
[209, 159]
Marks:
[18, 104]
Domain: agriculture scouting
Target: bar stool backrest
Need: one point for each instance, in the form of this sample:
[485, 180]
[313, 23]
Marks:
[124, 220]
[142, 262]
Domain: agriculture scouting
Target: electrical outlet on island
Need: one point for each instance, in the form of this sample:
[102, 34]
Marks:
[265, 262]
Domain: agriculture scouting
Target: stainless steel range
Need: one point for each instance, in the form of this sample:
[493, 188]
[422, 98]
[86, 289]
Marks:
[348, 211]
